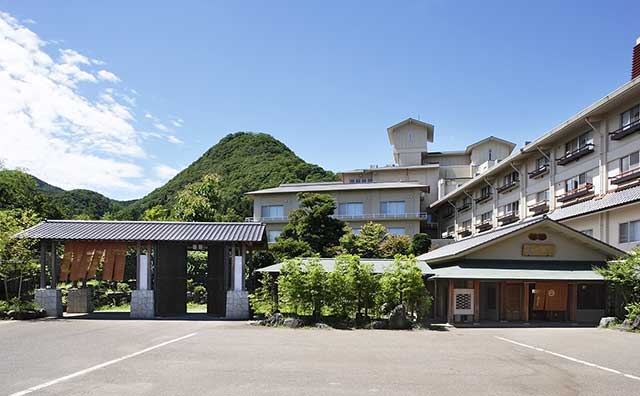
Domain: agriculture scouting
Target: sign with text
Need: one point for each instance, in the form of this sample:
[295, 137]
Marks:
[538, 250]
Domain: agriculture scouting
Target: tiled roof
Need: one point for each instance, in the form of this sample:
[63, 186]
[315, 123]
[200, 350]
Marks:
[145, 231]
[575, 271]
[335, 186]
[379, 265]
[609, 200]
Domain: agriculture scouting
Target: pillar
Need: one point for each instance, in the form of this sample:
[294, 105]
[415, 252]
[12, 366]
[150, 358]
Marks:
[48, 297]
[450, 303]
[526, 301]
[476, 301]
[237, 306]
[142, 299]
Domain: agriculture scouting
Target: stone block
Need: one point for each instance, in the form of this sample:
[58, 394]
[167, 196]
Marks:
[51, 301]
[142, 304]
[79, 301]
[237, 304]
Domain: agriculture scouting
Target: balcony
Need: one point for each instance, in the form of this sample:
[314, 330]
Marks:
[284, 219]
[505, 188]
[383, 216]
[509, 217]
[483, 198]
[624, 177]
[576, 154]
[579, 192]
[625, 131]
[448, 215]
[464, 207]
[464, 232]
[484, 225]
[539, 207]
[541, 171]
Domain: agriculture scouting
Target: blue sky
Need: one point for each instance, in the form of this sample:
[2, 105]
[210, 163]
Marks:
[326, 79]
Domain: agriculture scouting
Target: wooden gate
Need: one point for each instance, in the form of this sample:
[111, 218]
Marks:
[171, 279]
[513, 302]
[216, 283]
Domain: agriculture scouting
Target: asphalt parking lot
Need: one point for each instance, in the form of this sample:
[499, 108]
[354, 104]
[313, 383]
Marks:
[178, 357]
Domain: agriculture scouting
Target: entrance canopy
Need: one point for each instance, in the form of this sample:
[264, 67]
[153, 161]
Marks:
[522, 270]
[146, 231]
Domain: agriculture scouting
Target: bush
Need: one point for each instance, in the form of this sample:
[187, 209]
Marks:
[199, 294]
[402, 284]
[420, 244]
[395, 244]
[633, 310]
[302, 288]
[263, 301]
[18, 305]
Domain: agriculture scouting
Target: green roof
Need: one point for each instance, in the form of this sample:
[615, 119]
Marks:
[520, 270]
[379, 265]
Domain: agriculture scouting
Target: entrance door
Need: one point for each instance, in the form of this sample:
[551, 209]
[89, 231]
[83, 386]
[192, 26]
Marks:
[171, 280]
[488, 301]
[216, 284]
[513, 302]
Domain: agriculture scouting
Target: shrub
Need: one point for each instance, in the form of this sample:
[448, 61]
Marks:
[420, 244]
[395, 244]
[367, 243]
[264, 299]
[633, 310]
[302, 288]
[200, 294]
[402, 283]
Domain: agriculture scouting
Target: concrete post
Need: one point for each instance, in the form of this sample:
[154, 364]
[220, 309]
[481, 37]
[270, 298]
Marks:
[237, 306]
[142, 299]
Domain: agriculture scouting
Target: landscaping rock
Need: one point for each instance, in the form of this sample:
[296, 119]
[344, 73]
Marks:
[275, 320]
[322, 326]
[292, 323]
[398, 319]
[41, 313]
[607, 322]
[379, 325]
[636, 323]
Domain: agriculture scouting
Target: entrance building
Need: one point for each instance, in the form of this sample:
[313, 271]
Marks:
[77, 251]
[535, 271]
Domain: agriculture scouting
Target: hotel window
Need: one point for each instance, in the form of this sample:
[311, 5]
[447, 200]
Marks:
[272, 235]
[486, 216]
[510, 178]
[629, 232]
[542, 196]
[396, 230]
[360, 180]
[542, 161]
[351, 209]
[485, 191]
[466, 224]
[466, 201]
[629, 117]
[511, 207]
[272, 211]
[392, 207]
[579, 142]
[629, 162]
[575, 182]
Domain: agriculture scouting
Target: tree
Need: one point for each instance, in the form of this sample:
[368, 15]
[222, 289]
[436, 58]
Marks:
[314, 224]
[156, 213]
[395, 244]
[291, 286]
[302, 287]
[287, 248]
[264, 300]
[402, 283]
[199, 201]
[367, 243]
[624, 275]
[341, 286]
[17, 258]
[420, 244]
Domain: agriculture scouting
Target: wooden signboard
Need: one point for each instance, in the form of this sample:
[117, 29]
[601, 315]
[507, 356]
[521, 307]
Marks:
[538, 250]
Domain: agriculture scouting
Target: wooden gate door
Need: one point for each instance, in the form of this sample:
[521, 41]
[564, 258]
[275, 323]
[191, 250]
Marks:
[216, 282]
[171, 280]
[513, 302]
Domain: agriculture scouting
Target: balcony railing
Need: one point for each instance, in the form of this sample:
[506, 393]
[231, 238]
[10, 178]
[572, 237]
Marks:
[624, 177]
[284, 219]
[576, 154]
[509, 217]
[576, 193]
[484, 225]
[356, 217]
[625, 130]
[505, 188]
[464, 232]
[539, 207]
[448, 215]
[541, 171]
[464, 207]
[483, 198]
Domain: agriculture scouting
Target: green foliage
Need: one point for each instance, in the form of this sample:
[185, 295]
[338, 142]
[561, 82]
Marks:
[314, 224]
[199, 294]
[18, 305]
[257, 259]
[624, 275]
[287, 248]
[245, 162]
[633, 310]
[402, 283]
[302, 288]
[352, 287]
[367, 243]
[197, 267]
[264, 299]
[18, 258]
[200, 201]
[420, 244]
[394, 245]
[19, 190]
[156, 213]
[83, 204]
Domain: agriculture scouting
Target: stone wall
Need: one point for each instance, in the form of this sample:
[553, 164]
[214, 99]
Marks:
[50, 300]
[142, 304]
[237, 304]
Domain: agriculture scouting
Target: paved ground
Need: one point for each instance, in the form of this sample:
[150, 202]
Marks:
[121, 357]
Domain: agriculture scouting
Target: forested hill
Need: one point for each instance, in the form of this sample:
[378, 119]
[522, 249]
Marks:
[245, 161]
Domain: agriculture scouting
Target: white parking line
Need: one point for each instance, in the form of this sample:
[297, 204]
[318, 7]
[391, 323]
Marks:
[98, 366]
[569, 358]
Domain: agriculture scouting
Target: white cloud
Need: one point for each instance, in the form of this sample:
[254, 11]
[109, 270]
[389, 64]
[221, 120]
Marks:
[173, 139]
[108, 76]
[165, 172]
[177, 122]
[52, 129]
[161, 126]
[29, 21]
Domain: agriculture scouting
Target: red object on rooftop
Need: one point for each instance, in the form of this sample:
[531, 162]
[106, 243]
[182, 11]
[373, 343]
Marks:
[635, 65]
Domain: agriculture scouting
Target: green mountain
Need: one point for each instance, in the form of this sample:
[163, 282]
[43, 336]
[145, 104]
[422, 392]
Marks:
[245, 161]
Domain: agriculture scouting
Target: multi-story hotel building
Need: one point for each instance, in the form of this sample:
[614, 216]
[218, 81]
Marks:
[584, 173]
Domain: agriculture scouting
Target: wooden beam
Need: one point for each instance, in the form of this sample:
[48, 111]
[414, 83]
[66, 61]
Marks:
[476, 301]
[502, 310]
[54, 264]
[526, 302]
[450, 303]
[573, 301]
[43, 262]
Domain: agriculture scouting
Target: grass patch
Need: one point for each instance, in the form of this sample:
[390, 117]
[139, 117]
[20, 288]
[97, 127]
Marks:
[193, 307]
[114, 308]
